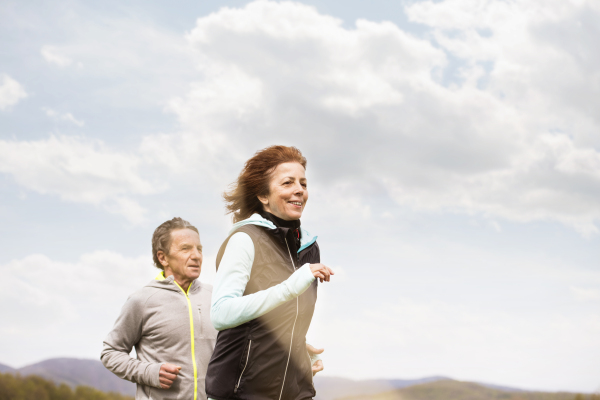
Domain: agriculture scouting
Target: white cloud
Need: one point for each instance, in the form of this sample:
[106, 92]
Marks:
[410, 338]
[507, 137]
[140, 64]
[52, 55]
[79, 170]
[414, 305]
[369, 105]
[62, 117]
[585, 294]
[79, 299]
[542, 59]
[11, 92]
[75, 303]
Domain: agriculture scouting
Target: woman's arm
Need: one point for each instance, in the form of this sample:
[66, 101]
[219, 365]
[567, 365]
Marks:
[230, 307]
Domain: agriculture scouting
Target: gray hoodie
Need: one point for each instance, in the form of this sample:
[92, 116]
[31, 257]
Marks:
[156, 321]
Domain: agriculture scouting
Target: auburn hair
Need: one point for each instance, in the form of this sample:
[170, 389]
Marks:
[241, 199]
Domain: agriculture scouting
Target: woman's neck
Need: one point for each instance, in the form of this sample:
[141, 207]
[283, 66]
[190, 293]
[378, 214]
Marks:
[279, 222]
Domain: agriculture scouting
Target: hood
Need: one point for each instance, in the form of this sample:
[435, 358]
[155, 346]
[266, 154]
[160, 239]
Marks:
[160, 282]
[306, 239]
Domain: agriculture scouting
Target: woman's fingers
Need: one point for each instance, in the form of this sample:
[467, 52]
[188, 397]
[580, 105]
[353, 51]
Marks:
[317, 367]
[322, 272]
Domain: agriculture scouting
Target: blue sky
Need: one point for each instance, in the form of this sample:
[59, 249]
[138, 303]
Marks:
[453, 165]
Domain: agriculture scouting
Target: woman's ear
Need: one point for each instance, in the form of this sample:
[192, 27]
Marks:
[263, 199]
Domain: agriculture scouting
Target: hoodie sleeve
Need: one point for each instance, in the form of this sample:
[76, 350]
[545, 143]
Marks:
[230, 307]
[119, 342]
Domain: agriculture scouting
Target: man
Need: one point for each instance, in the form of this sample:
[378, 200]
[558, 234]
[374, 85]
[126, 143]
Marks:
[168, 323]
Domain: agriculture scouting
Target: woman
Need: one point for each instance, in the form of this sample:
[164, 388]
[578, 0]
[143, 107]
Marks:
[266, 284]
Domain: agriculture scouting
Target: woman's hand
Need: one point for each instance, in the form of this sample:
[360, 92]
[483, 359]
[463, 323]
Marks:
[322, 272]
[317, 365]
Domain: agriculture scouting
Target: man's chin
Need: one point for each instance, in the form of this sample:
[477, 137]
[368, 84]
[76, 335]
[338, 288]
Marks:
[193, 274]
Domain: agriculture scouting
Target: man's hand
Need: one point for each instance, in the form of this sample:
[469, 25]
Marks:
[167, 375]
[318, 365]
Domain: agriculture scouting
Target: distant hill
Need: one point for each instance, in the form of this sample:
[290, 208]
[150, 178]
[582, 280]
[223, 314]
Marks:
[13, 387]
[330, 388]
[456, 390]
[74, 372]
[5, 368]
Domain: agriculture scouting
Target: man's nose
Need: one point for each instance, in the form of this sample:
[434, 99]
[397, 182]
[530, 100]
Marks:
[196, 255]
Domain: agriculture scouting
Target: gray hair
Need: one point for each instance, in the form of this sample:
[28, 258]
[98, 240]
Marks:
[161, 239]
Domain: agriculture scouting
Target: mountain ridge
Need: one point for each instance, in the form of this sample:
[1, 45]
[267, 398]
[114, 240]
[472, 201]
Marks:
[89, 372]
[75, 372]
[457, 390]
[331, 388]
[5, 368]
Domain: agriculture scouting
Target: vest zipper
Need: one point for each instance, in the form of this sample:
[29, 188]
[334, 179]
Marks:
[245, 365]
[293, 327]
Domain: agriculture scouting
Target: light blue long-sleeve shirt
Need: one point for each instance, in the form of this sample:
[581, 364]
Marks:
[230, 307]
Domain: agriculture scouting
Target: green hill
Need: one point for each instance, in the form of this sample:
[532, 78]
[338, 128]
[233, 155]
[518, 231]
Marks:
[16, 387]
[78, 372]
[456, 390]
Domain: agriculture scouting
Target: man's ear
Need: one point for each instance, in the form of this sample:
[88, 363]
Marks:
[162, 258]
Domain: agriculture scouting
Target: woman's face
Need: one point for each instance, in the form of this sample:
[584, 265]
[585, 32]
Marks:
[287, 192]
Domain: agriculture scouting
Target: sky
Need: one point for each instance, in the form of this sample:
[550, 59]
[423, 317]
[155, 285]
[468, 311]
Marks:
[453, 154]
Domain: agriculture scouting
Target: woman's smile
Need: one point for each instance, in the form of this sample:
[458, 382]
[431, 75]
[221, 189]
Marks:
[288, 192]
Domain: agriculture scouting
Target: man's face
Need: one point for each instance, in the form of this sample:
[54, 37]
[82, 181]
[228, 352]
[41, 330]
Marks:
[185, 256]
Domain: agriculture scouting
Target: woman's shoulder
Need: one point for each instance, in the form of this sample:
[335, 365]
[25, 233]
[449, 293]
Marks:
[252, 223]
[240, 238]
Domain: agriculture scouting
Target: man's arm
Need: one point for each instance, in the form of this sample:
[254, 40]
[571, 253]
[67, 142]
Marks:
[119, 342]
